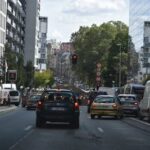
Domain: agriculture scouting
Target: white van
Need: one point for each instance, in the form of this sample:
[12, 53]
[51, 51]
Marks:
[145, 103]
[14, 97]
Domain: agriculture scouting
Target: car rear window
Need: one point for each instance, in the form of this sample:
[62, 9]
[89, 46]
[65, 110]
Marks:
[35, 97]
[58, 96]
[13, 93]
[104, 100]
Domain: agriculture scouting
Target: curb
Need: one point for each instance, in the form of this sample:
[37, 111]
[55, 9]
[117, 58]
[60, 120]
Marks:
[145, 126]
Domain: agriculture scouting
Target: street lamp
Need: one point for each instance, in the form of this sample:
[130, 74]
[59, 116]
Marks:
[120, 60]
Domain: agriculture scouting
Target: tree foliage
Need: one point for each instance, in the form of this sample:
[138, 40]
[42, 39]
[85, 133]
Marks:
[99, 44]
[42, 79]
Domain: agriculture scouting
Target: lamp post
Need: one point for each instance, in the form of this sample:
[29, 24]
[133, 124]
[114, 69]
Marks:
[120, 60]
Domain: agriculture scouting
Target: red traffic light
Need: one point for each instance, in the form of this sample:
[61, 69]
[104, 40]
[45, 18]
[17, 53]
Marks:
[74, 58]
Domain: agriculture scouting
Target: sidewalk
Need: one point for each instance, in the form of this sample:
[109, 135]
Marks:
[7, 108]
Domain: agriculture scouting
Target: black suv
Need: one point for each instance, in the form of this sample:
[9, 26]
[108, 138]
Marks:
[57, 106]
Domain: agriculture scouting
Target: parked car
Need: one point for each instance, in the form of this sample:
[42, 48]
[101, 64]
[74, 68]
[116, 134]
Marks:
[32, 101]
[130, 104]
[92, 96]
[57, 106]
[145, 103]
[106, 105]
[14, 97]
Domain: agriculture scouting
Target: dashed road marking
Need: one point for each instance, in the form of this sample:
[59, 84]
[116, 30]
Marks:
[100, 130]
[20, 140]
[28, 128]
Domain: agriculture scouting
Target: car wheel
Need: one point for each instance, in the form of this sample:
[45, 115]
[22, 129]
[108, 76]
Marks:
[140, 116]
[92, 116]
[76, 123]
[39, 122]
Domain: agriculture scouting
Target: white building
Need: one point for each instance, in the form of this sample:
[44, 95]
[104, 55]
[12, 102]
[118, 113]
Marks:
[32, 32]
[144, 54]
[3, 12]
[43, 23]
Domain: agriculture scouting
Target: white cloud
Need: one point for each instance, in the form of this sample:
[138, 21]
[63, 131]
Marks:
[87, 7]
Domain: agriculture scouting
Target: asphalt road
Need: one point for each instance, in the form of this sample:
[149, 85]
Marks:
[18, 132]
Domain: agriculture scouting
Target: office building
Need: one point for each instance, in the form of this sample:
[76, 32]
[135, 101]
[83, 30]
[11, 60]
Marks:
[31, 52]
[43, 23]
[15, 33]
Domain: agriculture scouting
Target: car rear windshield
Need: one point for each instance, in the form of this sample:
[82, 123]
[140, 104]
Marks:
[13, 93]
[104, 100]
[35, 97]
[58, 96]
[126, 98]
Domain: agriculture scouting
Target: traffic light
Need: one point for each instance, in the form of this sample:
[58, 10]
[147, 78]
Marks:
[74, 59]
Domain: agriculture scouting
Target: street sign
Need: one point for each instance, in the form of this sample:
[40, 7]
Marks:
[98, 65]
[98, 78]
[12, 75]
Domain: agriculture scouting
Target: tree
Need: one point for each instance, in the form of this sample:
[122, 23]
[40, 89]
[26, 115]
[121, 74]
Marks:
[98, 44]
[42, 79]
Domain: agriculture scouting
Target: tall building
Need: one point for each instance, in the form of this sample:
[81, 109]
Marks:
[43, 21]
[32, 32]
[3, 12]
[139, 12]
[16, 11]
[139, 30]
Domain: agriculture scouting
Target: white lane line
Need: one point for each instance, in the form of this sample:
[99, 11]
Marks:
[28, 128]
[140, 121]
[20, 140]
[100, 130]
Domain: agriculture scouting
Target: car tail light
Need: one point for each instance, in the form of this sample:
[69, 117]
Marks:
[114, 106]
[135, 103]
[39, 105]
[76, 105]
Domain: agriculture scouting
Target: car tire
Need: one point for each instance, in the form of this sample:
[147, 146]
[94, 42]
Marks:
[140, 116]
[39, 122]
[92, 116]
[76, 123]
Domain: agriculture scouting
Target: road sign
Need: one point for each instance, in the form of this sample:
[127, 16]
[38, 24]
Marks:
[98, 65]
[12, 75]
[98, 78]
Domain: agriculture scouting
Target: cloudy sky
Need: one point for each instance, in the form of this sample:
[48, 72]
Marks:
[66, 16]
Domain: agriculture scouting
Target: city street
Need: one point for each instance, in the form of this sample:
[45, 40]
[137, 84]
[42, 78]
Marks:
[18, 132]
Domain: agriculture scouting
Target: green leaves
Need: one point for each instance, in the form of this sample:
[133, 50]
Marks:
[99, 44]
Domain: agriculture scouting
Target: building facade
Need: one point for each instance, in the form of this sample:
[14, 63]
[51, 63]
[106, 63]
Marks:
[31, 52]
[139, 30]
[15, 34]
[43, 23]
[3, 12]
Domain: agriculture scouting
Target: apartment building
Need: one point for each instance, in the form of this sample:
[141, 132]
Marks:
[3, 12]
[15, 32]
[31, 52]
[43, 23]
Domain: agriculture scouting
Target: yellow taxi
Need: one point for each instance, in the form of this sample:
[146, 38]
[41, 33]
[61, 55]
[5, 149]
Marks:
[106, 105]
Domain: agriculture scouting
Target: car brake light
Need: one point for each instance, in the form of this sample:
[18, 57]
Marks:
[76, 105]
[135, 103]
[39, 105]
[114, 106]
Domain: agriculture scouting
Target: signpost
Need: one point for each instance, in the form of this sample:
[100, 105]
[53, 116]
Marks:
[98, 75]
[12, 75]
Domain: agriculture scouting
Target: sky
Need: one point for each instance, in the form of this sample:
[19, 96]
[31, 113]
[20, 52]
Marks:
[66, 16]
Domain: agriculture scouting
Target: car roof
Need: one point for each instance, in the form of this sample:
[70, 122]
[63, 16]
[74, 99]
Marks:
[133, 95]
[105, 96]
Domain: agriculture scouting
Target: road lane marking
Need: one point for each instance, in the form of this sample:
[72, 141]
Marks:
[140, 121]
[100, 130]
[20, 140]
[28, 128]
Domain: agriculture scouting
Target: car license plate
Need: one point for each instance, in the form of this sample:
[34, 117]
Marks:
[58, 108]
